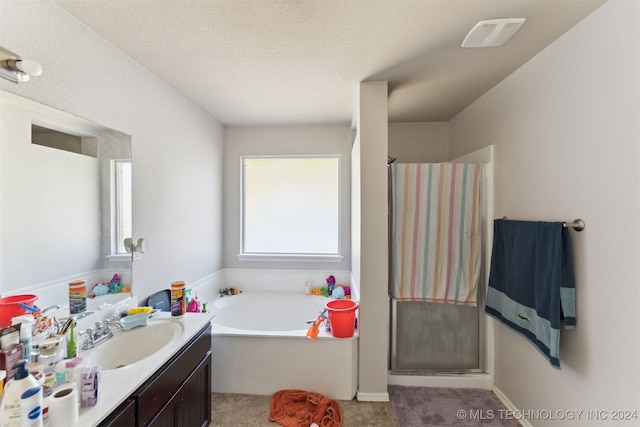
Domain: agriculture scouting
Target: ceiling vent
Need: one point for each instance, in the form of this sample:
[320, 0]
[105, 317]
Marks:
[492, 32]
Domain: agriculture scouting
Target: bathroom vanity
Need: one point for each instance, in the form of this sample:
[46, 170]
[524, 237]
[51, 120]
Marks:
[169, 388]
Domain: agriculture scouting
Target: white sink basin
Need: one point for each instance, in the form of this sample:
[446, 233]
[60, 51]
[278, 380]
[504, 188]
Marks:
[129, 347]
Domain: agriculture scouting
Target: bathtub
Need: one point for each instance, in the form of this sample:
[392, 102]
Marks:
[259, 346]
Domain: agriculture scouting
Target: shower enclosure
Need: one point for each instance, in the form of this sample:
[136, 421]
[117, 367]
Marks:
[439, 334]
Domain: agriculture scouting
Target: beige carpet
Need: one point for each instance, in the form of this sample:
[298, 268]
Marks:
[245, 410]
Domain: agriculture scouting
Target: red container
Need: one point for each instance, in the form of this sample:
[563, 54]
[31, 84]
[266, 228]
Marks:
[342, 317]
[10, 307]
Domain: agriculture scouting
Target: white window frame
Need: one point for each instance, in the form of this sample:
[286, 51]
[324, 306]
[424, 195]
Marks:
[117, 238]
[289, 257]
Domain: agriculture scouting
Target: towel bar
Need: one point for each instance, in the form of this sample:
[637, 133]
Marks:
[577, 224]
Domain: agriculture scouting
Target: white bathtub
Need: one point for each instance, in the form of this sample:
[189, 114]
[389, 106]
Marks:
[260, 346]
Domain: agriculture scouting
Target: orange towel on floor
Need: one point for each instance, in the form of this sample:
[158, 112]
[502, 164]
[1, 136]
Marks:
[299, 408]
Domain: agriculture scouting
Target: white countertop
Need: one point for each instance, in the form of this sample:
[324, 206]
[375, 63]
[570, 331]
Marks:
[118, 384]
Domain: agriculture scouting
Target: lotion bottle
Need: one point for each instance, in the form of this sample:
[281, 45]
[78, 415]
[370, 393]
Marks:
[31, 407]
[10, 411]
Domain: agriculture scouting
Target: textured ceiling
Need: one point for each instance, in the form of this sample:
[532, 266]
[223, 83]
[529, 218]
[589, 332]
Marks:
[300, 61]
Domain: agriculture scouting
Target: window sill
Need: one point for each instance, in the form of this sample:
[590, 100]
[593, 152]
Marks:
[119, 257]
[289, 258]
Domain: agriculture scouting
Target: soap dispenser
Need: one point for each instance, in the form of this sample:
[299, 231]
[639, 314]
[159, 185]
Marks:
[10, 411]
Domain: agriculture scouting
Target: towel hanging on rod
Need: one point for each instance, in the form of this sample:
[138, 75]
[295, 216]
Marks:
[577, 224]
[531, 285]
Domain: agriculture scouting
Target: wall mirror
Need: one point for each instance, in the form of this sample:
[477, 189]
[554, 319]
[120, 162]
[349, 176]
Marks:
[65, 201]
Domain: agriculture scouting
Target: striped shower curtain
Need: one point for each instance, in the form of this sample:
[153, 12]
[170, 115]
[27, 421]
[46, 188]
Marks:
[435, 232]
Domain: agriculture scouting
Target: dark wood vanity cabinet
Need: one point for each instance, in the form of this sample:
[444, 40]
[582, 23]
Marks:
[178, 394]
[124, 416]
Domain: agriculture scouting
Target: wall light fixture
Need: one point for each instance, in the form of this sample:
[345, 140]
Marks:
[135, 248]
[16, 69]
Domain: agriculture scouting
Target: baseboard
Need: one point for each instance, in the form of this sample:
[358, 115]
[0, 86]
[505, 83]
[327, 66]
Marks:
[372, 397]
[510, 406]
[480, 380]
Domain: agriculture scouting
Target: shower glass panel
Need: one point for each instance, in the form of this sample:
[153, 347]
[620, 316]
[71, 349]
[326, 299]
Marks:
[434, 337]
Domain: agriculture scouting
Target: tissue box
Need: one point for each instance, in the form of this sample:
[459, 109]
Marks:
[89, 386]
[8, 358]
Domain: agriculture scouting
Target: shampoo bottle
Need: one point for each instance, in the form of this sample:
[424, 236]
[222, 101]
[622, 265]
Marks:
[10, 411]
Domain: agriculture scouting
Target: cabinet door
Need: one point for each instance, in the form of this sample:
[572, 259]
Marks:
[191, 405]
[167, 416]
[124, 416]
[158, 391]
[195, 397]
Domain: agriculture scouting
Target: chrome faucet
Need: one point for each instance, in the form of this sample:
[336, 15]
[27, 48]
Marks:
[101, 333]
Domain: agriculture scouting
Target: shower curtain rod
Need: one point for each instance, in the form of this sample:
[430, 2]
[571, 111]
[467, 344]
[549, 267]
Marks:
[577, 224]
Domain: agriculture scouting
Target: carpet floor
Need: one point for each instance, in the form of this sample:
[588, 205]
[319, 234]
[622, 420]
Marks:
[429, 406]
[409, 407]
[246, 410]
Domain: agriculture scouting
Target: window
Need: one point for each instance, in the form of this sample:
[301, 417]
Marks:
[121, 205]
[291, 208]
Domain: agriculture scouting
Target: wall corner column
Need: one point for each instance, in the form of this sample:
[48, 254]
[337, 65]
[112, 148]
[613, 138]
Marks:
[370, 250]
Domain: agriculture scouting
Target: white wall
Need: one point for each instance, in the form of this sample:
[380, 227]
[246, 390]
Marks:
[370, 244]
[566, 132]
[419, 142]
[283, 140]
[177, 148]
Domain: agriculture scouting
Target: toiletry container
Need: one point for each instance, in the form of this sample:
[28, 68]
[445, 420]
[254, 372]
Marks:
[3, 375]
[8, 358]
[77, 296]
[26, 322]
[51, 352]
[11, 411]
[178, 301]
[31, 404]
[72, 348]
[61, 373]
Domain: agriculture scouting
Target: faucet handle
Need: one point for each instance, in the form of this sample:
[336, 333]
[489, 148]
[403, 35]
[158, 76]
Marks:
[88, 338]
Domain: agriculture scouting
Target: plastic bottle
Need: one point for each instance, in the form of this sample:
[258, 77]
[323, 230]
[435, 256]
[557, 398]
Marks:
[72, 348]
[3, 375]
[194, 305]
[61, 373]
[77, 296]
[10, 411]
[178, 301]
[31, 407]
[26, 325]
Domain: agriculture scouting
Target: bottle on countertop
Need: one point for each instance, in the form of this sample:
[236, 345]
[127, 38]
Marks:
[10, 410]
[77, 296]
[72, 347]
[194, 305]
[31, 404]
[26, 325]
[178, 300]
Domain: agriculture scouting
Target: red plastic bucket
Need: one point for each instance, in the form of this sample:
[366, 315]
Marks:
[342, 317]
[10, 307]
